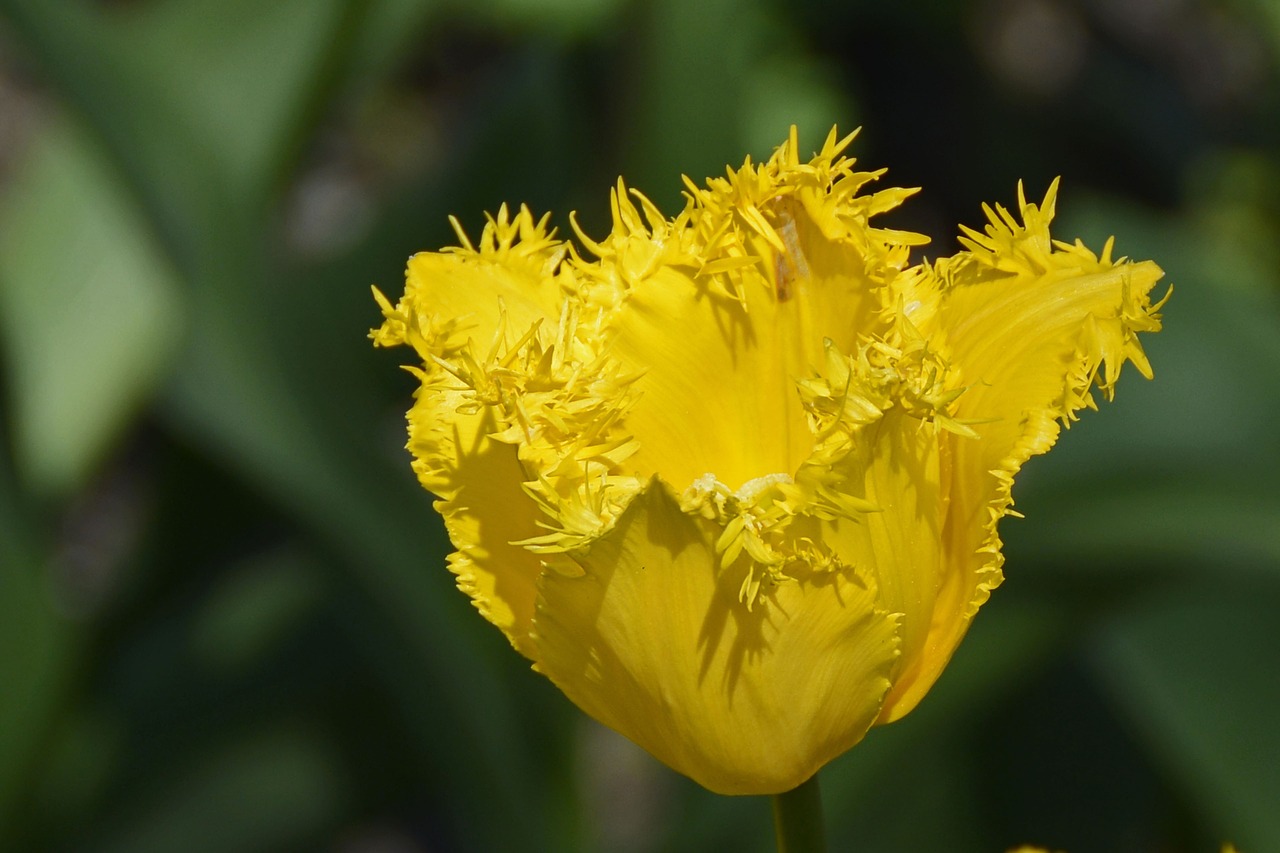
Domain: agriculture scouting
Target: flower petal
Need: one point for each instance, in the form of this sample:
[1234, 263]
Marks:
[733, 304]
[653, 641]
[716, 395]
[462, 310]
[897, 461]
[485, 511]
[1030, 326]
[505, 285]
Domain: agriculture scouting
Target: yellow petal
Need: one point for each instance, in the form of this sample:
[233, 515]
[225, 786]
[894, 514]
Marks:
[716, 395]
[785, 264]
[842, 434]
[465, 311]
[898, 462]
[653, 641]
[504, 285]
[485, 510]
[1027, 324]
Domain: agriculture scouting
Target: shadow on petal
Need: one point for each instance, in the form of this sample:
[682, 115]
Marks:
[653, 642]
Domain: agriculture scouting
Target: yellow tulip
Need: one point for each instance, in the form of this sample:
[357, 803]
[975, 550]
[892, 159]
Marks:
[731, 480]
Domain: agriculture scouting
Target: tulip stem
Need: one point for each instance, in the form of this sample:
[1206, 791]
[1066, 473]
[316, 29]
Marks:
[797, 819]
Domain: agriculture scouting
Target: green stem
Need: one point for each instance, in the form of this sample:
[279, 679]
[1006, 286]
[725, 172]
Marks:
[797, 819]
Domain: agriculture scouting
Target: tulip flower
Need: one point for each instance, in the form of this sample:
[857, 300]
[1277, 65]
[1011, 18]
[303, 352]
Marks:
[731, 480]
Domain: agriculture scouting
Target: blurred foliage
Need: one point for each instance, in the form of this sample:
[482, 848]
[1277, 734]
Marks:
[225, 623]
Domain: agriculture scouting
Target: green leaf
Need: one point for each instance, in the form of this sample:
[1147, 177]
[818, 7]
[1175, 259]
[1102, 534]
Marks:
[686, 115]
[279, 789]
[793, 87]
[199, 102]
[1183, 527]
[1195, 672]
[256, 606]
[563, 18]
[233, 398]
[89, 309]
[1177, 472]
[37, 653]
[235, 75]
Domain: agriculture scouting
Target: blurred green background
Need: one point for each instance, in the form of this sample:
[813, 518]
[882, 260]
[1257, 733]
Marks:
[225, 621]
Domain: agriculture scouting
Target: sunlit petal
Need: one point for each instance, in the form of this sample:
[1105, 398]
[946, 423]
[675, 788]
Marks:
[732, 479]
[654, 641]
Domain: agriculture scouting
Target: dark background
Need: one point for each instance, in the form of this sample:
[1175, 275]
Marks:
[225, 621]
